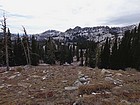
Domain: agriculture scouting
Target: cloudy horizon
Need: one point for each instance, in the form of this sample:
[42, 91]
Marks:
[40, 15]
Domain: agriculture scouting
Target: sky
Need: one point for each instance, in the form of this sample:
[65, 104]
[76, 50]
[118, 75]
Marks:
[38, 16]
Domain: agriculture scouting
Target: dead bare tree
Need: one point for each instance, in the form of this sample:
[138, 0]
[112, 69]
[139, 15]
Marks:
[25, 52]
[28, 58]
[4, 27]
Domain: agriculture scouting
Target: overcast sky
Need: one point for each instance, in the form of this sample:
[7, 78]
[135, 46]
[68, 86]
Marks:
[41, 15]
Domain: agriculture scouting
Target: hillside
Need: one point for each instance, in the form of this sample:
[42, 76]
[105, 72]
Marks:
[68, 85]
[98, 33]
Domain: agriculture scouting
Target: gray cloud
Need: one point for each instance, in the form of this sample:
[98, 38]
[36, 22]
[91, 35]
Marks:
[19, 15]
[124, 19]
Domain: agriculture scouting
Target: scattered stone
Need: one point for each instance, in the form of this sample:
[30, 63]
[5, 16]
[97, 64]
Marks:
[83, 79]
[104, 71]
[71, 88]
[25, 85]
[80, 74]
[118, 82]
[44, 85]
[65, 81]
[66, 64]
[93, 93]
[44, 64]
[108, 75]
[12, 77]
[35, 76]
[44, 77]
[124, 102]
[118, 74]
[77, 83]
[109, 79]
[27, 66]
[1, 87]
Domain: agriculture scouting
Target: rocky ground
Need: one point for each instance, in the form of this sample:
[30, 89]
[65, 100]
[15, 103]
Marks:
[68, 85]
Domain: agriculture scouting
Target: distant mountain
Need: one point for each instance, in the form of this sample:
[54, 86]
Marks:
[98, 33]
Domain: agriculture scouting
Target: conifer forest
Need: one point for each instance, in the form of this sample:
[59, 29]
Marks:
[113, 53]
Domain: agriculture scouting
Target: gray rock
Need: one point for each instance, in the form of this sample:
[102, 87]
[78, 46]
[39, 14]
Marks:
[104, 71]
[109, 79]
[125, 102]
[83, 79]
[71, 88]
[77, 83]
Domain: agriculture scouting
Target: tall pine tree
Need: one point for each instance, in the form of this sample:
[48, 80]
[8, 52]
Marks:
[105, 55]
[34, 52]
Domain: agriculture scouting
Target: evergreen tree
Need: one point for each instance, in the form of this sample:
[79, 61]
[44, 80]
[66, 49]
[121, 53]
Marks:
[92, 54]
[34, 56]
[81, 56]
[10, 49]
[124, 51]
[41, 52]
[105, 55]
[67, 53]
[114, 55]
[98, 54]
[19, 55]
[86, 57]
[136, 48]
[1, 52]
[62, 54]
[50, 52]
[73, 50]
[70, 55]
[77, 51]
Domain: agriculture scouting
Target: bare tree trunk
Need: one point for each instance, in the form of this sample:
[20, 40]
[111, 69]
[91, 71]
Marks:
[25, 52]
[6, 43]
[28, 50]
[28, 54]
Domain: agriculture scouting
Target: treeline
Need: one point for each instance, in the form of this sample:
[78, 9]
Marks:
[28, 50]
[122, 53]
[114, 53]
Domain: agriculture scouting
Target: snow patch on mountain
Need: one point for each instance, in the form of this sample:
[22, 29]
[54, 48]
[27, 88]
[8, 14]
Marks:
[98, 33]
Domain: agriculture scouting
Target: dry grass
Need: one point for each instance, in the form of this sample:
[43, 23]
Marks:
[45, 85]
[98, 87]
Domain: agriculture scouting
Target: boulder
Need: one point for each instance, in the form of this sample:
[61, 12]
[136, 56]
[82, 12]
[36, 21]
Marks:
[104, 71]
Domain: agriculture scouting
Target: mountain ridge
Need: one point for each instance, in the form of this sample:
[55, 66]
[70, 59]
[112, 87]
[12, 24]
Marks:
[97, 33]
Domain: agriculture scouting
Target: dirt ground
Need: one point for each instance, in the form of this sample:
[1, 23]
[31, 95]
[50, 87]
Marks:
[68, 85]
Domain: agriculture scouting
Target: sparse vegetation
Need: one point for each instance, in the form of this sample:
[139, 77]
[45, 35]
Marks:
[45, 85]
